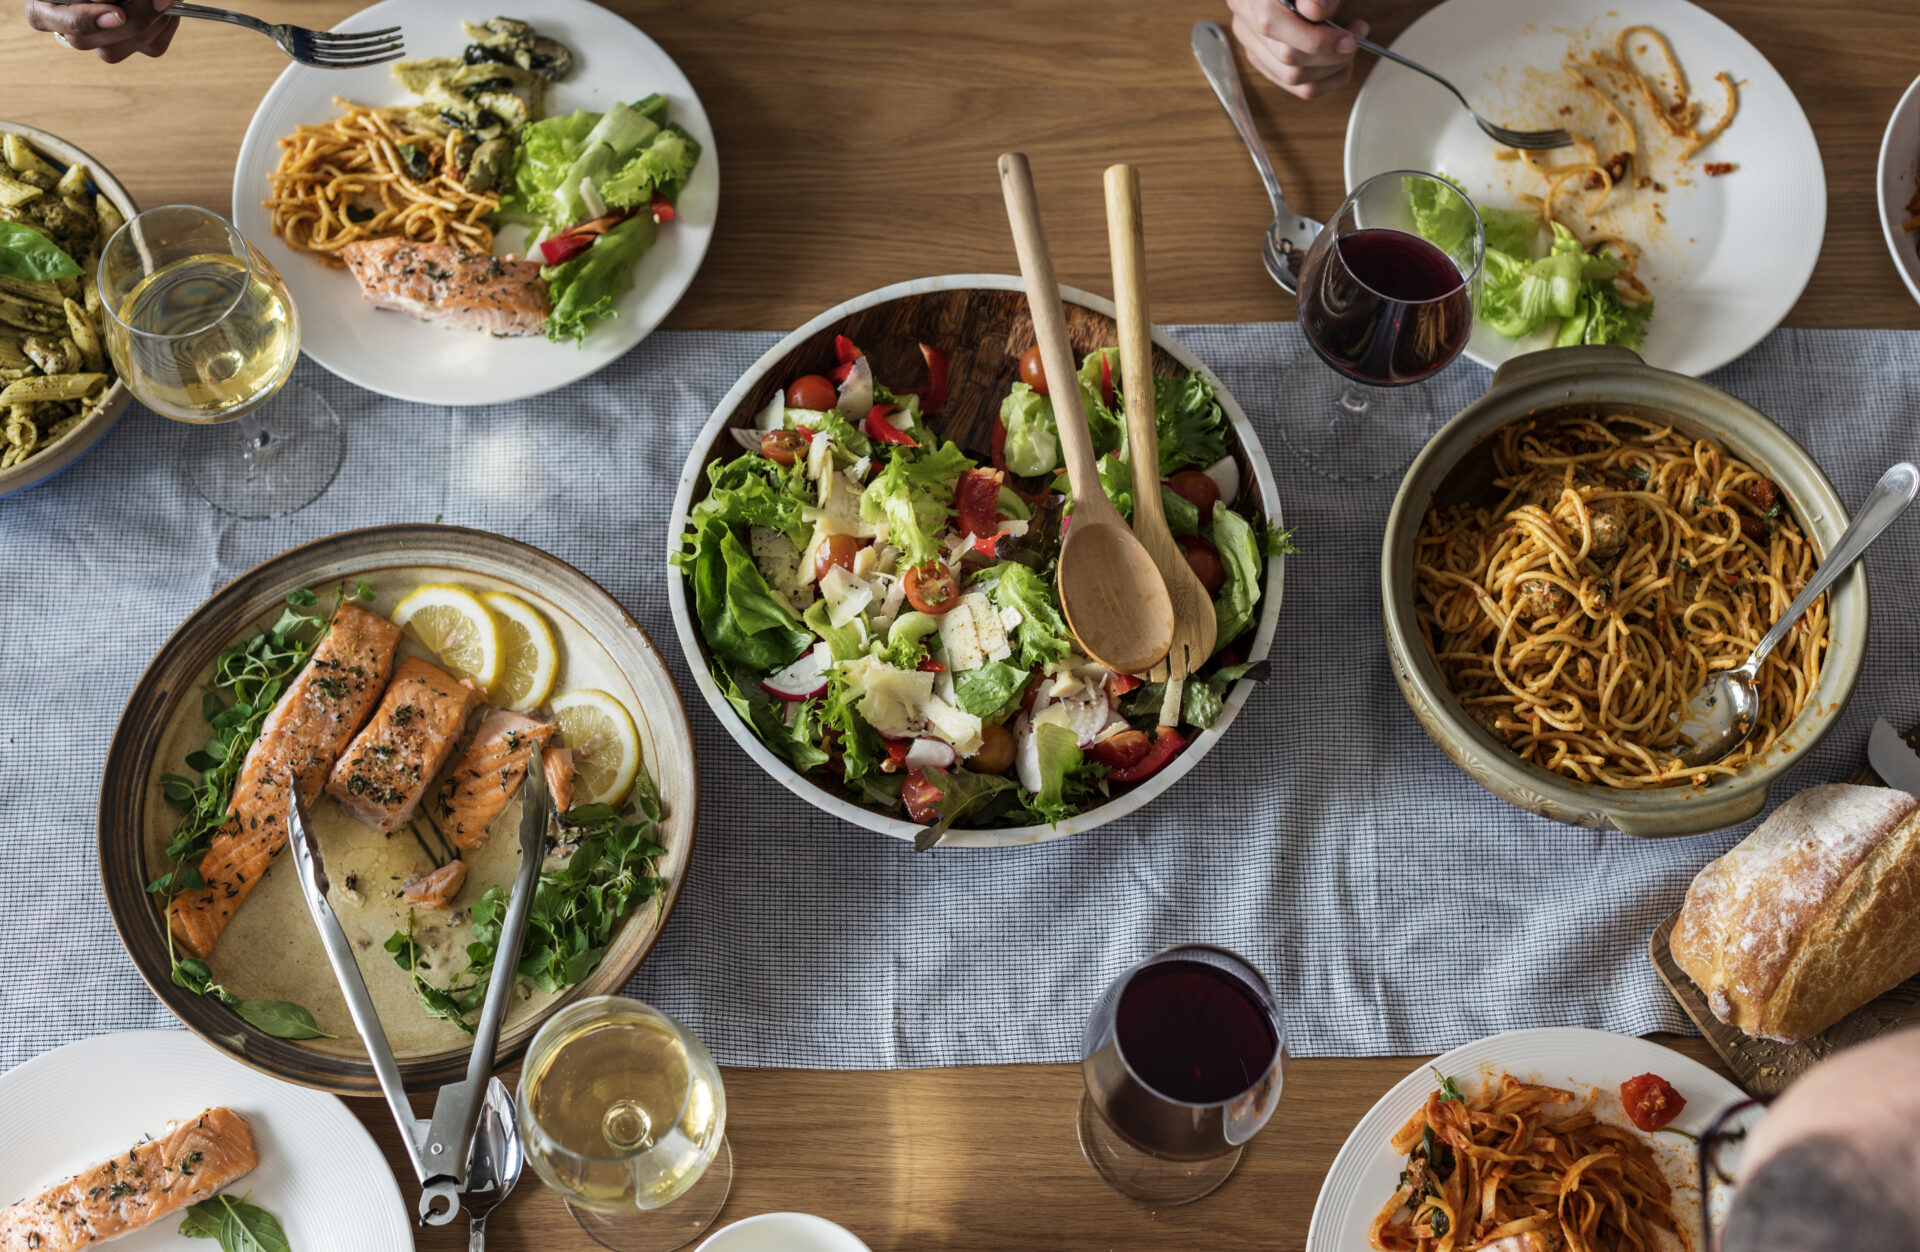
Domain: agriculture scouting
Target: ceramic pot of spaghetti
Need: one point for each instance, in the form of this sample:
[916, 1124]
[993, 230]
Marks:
[1573, 555]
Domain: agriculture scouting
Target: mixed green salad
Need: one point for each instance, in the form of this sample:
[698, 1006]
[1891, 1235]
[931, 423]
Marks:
[1533, 275]
[597, 186]
[880, 607]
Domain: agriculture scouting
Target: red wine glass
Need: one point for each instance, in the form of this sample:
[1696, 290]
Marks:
[1183, 1062]
[1386, 300]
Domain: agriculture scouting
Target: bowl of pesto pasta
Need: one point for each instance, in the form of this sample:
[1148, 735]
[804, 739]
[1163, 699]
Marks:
[58, 391]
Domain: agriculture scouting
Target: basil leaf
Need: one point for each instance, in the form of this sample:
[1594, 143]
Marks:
[282, 1019]
[30, 256]
[237, 1225]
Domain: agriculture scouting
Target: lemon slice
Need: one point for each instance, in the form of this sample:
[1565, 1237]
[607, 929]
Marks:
[531, 657]
[458, 629]
[606, 746]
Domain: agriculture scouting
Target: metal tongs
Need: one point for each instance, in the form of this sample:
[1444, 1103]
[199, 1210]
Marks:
[441, 1148]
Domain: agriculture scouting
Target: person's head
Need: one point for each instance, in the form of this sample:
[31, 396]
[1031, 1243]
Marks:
[1835, 1163]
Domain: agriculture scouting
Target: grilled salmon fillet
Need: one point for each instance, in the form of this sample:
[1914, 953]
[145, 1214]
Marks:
[487, 776]
[436, 890]
[446, 285]
[559, 771]
[329, 701]
[148, 1182]
[388, 767]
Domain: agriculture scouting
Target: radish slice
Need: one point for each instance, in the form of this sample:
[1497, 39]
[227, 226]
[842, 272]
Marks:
[750, 440]
[1026, 756]
[802, 680]
[774, 416]
[856, 394]
[1225, 473]
[934, 752]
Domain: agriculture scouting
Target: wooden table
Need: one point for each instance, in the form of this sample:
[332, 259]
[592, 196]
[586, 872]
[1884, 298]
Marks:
[856, 144]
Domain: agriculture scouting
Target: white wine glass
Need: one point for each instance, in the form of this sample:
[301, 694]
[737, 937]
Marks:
[623, 1114]
[202, 330]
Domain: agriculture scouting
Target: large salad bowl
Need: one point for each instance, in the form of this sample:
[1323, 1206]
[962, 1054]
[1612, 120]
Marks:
[982, 322]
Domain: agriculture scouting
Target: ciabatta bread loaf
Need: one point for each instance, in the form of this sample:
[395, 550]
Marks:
[1810, 916]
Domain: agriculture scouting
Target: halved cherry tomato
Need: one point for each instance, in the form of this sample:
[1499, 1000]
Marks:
[1198, 490]
[878, 427]
[1121, 684]
[934, 394]
[1127, 748]
[921, 795]
[932, 588]
[844, 351]
[661, 207]
[812, 391]
[1204, 560]
[1651, 1101]
[1106, 379]
[783, 447]
[896, 748]
[837, 550]
[976, 498]
[1032, 372]
[1167, 743]
[996, 751]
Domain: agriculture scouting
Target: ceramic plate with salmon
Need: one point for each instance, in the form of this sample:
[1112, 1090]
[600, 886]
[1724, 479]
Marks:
[411, 772]
[105, 1152]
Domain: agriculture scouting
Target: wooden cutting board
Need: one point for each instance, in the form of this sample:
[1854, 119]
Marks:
[1763, 1066]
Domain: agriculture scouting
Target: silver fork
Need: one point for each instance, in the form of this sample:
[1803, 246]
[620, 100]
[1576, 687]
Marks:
[324, 49]
[1526, 140]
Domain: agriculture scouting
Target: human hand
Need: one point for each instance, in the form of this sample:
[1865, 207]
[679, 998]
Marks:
[1287, 47]
[115, 31]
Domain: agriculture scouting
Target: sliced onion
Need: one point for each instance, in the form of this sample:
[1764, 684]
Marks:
[1225, 473]
[748, 439]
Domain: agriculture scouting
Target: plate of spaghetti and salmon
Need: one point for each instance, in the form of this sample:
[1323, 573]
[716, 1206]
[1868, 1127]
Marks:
[1549, 1140]
[402, 682]
[514, 206]
[1689, 158]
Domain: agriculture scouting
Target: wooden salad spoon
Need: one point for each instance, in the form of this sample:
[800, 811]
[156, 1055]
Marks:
[1115, 601]
[1193, 622]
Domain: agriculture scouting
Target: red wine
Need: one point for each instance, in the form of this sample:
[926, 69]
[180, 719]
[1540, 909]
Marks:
[1194, 1032]
[1385, 307]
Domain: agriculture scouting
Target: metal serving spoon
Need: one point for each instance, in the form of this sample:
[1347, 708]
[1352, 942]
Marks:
[494, 1164]
[1727, 709]
[1286, 241]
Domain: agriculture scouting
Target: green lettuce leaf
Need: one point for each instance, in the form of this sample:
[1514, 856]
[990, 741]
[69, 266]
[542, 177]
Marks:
[1068, 780]
[914, 495]
[585, 288]
[663, 165]
[740, 616]
[1041, 637]
[1107, 425]
[1240, 556]
[1601, 316]
[962, 792]
[752, 490]
[988, 689]
[844, 641]
[1193, 428]
[1439, 216]
[1033, 444]
[798, 743]
[834, 427]
[548, 148]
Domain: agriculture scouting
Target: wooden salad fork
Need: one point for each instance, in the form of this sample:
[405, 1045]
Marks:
[1194, 626]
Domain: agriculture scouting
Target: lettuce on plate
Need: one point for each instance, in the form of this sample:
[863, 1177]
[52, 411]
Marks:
[743, 620]
[586, 287]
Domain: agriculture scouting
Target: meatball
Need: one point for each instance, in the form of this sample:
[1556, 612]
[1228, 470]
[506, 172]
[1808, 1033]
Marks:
[1609, 531]
[1540, 597]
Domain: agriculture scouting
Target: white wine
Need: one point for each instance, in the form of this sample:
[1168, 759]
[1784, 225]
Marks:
[622, 1111]
[205, 339]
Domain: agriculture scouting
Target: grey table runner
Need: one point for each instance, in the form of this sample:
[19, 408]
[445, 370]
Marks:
[1395, 905]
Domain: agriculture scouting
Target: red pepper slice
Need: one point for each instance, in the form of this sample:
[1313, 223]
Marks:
[1651, 1101]
[844, 351]
[1167, 743]
[1106, 379]
[934, 394]
[976, 498]
[922, 796]
[805, 430]
[839, 372]
[878, 427]
[563, 248]
[1121, 684]
[931, 666]
[662, 207]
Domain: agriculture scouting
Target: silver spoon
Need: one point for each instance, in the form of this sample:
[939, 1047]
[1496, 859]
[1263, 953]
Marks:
[1727, 709]
[494, 1164]
[1286, 241]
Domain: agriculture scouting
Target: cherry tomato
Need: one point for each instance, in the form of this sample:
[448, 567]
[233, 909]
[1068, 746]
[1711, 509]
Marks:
[1198, 490]
[837, 550]
[922, 795]
[996, 751]
[932, 588]
[812, 391]
[783, 447]
[1121, 684]
[976, 502]
[1204, 561]
[1651, 1101]
[1127, 748]
[1167, 743]
[1032, 372]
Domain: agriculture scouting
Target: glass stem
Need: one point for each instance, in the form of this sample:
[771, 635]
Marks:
[1353, 407]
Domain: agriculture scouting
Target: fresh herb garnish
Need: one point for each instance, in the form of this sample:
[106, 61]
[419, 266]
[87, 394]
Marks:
[1449, 1090]
[280, 1018]
[236, 1224]
[577, 907]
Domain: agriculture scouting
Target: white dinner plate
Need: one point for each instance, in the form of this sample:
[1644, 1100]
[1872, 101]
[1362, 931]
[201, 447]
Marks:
[783, 1232]
[1366, 1172]
[1899, 164]
[392, 353]
[320, 1172]
[1734, 252]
